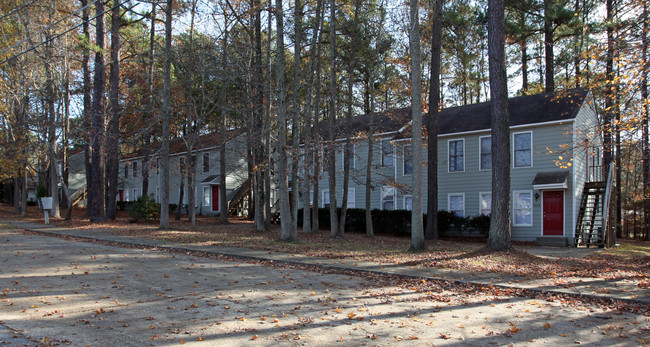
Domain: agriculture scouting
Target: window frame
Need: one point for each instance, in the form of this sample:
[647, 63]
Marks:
[205, 164]
[384, 191]
[480, 153]
[135, 194]
[515, 194]
[325, 192]
[135, 169]
[126, 170]
[404, 202]
[449, 196]
[207, 198]
[514, 149]
[480, 203]
[449, 170]
[405, 148]
[385, 155]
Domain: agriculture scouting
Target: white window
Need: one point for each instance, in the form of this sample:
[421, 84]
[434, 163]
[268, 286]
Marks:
[351, 198]
[408, 202]
[523, 208]
[326, 198]
[135, 194]
[135, 169]
[523, 145]
[352, 154]
[456, 150]
[126, 170]
[387, 198]
[485, 202]
[206, 162]
[126, 195]
[485, 152]
[457, 204]
[387, 154]
[196, 196]
[408, 160]
[206, 196]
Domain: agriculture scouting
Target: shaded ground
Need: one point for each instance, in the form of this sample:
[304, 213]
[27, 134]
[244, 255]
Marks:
[58, 292]
[595, 271]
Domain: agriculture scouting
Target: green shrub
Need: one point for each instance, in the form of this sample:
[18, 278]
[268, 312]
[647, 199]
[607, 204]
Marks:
[41, 190]
[145, 208]
[481, 223]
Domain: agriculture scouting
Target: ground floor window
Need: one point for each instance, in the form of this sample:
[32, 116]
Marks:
[523, 208]
[206, 196]
[351, 198]
[408, 202]
[457, 204]
[387, 198]
[326, 198]
[135, 194]
[485, 203]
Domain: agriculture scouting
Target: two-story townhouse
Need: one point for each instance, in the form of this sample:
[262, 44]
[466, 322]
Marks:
[552, 136]
[207, 172]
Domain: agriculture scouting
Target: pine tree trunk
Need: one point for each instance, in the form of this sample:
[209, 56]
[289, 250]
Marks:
[330, 148]
[645, 124]
[432, 141]
[149, 100]
[549, 43]
[417, 230]
[86, 116]
[166, 117]
[296, 110]
[286, 220]
[500, 229]
[98, 185]
[113, 162]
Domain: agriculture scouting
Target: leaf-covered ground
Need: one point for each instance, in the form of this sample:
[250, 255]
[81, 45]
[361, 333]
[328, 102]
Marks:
[630, 261]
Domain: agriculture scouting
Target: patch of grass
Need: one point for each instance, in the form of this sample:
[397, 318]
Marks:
[630, 249]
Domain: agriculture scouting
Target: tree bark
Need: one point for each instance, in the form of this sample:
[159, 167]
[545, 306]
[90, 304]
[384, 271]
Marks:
[645, 124]
[500, 229]
[223, 207]
[295, 126]
[86, 116]
[417, 232]
[330, 148]
[150, 105]
[98, 186]
[286, 219]
[432, 126]
[51, 130]
[113, 150]
[549, 42]
[166, 115]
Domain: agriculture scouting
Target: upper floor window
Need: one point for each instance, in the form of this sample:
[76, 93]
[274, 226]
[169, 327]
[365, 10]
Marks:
[408, 160]
[206, 162]
[408, 202]
[523, 145]
[352, 153]
[387, 154]
[485, 149]
[456, 155]
[135, 170]
[126, 170]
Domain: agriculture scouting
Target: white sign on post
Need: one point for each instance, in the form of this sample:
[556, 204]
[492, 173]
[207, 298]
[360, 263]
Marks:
[46, 203]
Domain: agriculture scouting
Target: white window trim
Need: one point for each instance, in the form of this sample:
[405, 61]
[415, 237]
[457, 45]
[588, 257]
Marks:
[354, 197]
[209, 195]
[404, 159]
[322, 200]
[383, 195]
[449, 195]
[203, 162]
[513, 150]
[480, 199]
[514, 207]
[480, 152]
[352, 156]
[404, 201]
[391, 156]
[135, 194]
[448, 156]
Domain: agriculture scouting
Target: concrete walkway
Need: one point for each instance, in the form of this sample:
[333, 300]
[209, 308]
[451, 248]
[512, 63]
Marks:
[622, 290]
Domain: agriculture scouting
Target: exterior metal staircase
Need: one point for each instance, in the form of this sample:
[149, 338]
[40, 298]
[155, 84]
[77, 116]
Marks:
[589, 228]
[593, 224]
[237, 202]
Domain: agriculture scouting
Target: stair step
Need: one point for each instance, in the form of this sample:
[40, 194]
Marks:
[552, 241]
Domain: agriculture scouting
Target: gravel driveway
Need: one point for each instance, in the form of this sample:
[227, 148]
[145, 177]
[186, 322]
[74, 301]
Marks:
[59, 292]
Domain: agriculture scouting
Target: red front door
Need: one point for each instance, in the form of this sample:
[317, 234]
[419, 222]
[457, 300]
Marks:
[121, 195]
[215, 198]
[553, 213]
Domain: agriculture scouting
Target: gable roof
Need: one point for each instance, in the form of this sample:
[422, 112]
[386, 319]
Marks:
[177, 145]
[527, 109]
